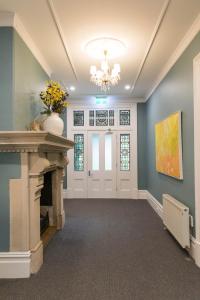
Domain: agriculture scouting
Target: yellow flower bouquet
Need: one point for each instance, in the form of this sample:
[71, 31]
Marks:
[54, 98]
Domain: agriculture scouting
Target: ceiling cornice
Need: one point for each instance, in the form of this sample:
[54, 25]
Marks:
[85, 99]
[151, 42]
[61, 35]
[187, 39]
[6, 19]
[9, 19]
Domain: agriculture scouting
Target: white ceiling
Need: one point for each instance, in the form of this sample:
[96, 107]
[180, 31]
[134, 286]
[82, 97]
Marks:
[150, 29]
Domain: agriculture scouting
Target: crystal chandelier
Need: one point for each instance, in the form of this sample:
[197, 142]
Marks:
[106, 76]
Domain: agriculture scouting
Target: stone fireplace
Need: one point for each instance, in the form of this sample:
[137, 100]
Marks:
[40, 189]
[47, 204]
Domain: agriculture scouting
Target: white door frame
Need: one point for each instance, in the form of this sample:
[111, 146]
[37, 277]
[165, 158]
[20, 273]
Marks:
[72, 130]
[196, 88]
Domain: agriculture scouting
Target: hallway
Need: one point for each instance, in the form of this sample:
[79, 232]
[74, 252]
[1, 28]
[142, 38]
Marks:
[110, 249]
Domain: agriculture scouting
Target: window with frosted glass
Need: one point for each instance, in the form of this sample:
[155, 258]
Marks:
[108, 152]
[95, 152]
[78, 117]
[124, 152]
[79, 152]
[124, 117]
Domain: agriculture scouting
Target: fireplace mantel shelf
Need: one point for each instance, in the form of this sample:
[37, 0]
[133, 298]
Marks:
[32, 141]
[39, 153]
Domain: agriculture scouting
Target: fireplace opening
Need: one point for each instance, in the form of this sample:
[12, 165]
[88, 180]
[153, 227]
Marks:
[46, 203]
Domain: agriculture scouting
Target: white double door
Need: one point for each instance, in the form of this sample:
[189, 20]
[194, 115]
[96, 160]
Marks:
[102, 164]
[107, 166]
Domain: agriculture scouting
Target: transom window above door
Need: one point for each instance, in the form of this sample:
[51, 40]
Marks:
[124, 117]
[101, 117]
[78, 117]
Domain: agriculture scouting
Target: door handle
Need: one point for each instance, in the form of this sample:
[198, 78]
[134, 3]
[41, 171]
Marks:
[89, 173]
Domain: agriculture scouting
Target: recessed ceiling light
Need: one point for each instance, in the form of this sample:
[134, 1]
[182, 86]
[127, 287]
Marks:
[127, 87]
[72, 88]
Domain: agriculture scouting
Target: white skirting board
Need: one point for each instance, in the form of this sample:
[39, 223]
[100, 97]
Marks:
[68, 194]
[144, 194]
[15, 264]
[65, 194]
[194, 250]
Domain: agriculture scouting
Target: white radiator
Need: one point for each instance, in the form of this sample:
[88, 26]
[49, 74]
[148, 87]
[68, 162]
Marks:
[176, 219]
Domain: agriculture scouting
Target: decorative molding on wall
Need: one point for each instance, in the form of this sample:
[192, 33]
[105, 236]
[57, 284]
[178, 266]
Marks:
[15, 264]
[187, 39]
[12, 20]
[194, 249]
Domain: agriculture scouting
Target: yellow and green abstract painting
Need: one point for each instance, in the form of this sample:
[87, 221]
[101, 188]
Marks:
[169, 146]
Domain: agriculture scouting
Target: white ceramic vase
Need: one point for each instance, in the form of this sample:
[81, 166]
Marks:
[54, 124]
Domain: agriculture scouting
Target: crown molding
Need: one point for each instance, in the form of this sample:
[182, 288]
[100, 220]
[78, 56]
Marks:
[187, 39]
[111, 99]
[6, 19]
[9, 19]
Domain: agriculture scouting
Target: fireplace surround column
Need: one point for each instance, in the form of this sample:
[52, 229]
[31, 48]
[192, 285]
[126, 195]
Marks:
[40, 152]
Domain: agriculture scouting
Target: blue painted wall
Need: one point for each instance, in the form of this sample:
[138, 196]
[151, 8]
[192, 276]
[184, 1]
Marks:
[174, 93]
[142, 146]
[9, 168]
[21, 80]
[29, 80]
[6, 78]
[64, 117]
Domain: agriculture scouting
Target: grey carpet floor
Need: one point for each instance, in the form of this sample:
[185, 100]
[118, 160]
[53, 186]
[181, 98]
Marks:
[110, 250]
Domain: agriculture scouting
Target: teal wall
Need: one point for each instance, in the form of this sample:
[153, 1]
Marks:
[10, 168]
[6, 78]
[174, 93]
[142, 146]
[29, 80]
[64, 117]
[21, 80]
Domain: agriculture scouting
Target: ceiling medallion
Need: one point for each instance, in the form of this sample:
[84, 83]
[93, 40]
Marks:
[105, 49]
